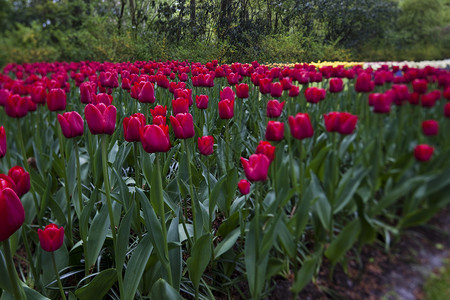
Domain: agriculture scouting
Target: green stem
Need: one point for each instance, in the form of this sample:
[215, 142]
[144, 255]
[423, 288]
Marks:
[191, 190]
[58, 279]
[66, 186]
[110, 208]
[29, 255]
[26, 165]
[163, 220]
[17, 289]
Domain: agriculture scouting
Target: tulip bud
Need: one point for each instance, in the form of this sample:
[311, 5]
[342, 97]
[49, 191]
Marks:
[274, 108]
[256, 167]
[423, 152]
[183, 125]
[336, 85]
[201, 101]
[430, 127]
[226, 109]
[244, 186]
[267, 149]
[51, 238]
[242, 90]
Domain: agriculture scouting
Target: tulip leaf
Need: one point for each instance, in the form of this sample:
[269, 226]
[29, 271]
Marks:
[175, 253]
[200, 257]
[153, 224]
[97, 235]
[136, 266]
[5, 283]
[306, 272]
[321, 206]
[99, 286]
[343, 242]
[217, 196]
[162, 290]
[348, 186]
[227, 243]
[123, 237]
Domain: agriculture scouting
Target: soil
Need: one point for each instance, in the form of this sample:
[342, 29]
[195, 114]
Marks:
[399, 273]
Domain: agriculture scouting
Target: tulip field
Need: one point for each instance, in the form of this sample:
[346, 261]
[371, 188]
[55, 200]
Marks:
[171, 180]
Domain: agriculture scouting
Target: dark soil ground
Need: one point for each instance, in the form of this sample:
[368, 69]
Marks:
[399, 273]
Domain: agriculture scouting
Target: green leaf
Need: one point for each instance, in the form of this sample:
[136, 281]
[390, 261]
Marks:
[5, 283]
[154, 226]
[348, 186]
[97, 235]
[162, 290]
[305, 274]
[321, 205]
[200, 257]
[176, 261]
[99, 286]
[227, 243]
[343, 242]
[123, 236]
[217, 196]
[136, 266]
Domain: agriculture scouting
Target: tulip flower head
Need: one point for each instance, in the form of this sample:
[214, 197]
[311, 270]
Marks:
[21, 179]
[244, 186]
[300, 126]
[256, 167]
[274, 131]
[131, 127]
[423, 152]
[56, 99]
[101, 118]
[155, 138]
[206, 145]
[183, 125]
[3, 145]
[430, 127]
[51, 238]
[265, 147]
[12, 214]
[274, 108]
[72, 124]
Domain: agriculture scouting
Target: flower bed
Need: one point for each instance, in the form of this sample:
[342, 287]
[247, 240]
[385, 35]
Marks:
[216, 178]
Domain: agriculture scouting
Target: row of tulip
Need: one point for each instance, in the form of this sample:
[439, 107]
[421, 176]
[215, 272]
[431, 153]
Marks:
[148, 210]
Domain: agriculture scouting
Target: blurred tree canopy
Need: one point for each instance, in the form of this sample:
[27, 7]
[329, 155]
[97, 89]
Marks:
[228, 30]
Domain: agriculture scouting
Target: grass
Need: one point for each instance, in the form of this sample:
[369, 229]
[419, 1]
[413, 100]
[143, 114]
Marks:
[437, 286]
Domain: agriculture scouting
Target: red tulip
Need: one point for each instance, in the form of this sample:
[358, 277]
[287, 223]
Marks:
[381, 103]
[244, 186]
[314, 94]
[159, 110]
[56, 100]
[341, 122]
[3, 146]
[16, 106]
[206, 144]
[264, 85]
[72, 124]
[242, 90]
[274, 108]
[336, 85]
[227, 93]
[256, 167]
[226, 109]
[274, 131]
[233, 78]
[100, 118]
[180, 106]
[183, 93]
[102, 98]
[301, 126]
[267, 149]
[147, 93]
[447, 110]
[420, 86]
[401, 91]
[447, 92]
[4, 94]
[276, 89]
[364, 84]
[430, 127]
[38, 94]
[294, 91]
[126, 84]
[162, 81]
[87, 92]
[131, 127]
[155, 138]
[201, 101]
[183, 125]
[32, 106]
[7, 182]
[429, 99]
[12, 214]
[21, 179]
[159, 120]
[286, 83]
[135, 90]
[51, 238]
[423, 152]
